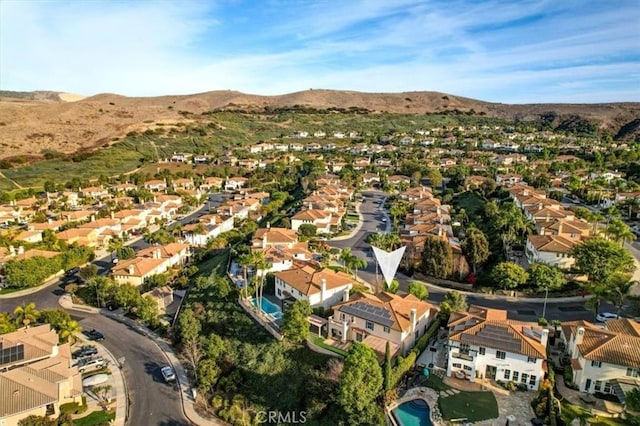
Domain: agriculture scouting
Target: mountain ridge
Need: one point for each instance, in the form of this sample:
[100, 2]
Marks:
[45, 121]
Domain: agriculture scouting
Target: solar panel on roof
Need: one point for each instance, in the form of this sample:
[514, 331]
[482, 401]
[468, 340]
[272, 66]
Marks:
[11, 354]
[368, 312]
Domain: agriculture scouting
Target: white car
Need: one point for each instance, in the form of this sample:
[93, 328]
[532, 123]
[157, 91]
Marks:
[606, 316]
[168, 374]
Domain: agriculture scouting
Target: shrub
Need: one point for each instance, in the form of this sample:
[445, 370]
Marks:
[73, 408]
[510, 386]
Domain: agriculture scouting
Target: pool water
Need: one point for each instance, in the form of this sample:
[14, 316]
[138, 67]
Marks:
[413, 413]
[269, 308]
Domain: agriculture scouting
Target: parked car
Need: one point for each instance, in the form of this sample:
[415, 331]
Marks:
[91, 364]
[168, 374]
[72, 271]
[85, 351]
[94, 335]
[606, 316]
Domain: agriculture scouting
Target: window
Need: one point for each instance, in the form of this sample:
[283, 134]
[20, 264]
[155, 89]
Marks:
[279, 292]
[633, 372]
[515, 376]
[464, 348]
[386, 329]
[468, 368]
[531, 359]
[598, 386]
[342, 316]
[532, 381]
[482, 350]
[359, 337]
[525, 377]
[607, 387]
[457, 365]
[369, 325]
[507, 374]
[597, 364]
[501, 355]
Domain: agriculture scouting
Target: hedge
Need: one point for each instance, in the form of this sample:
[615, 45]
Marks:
[405, 364]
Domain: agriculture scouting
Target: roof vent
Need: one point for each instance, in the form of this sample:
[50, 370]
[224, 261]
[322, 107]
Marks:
[16, 393]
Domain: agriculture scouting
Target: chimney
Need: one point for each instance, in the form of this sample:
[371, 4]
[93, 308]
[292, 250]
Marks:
[113, 215]
[132, 270]
[156, 254]
[12, 250]
[577, 339]
[93, 218]
[345, 295]
[268, 225]
[414, 314]
[49, 220]
[21, 250]
[544, 339]
[323, 289]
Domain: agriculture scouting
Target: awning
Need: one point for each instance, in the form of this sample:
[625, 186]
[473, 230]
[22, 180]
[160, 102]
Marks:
[317, 321]
[622, 386]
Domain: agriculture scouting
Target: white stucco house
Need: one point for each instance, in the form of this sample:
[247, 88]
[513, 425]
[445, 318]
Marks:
[321, 287]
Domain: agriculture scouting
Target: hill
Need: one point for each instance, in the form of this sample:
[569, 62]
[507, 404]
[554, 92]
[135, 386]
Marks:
[35, 122]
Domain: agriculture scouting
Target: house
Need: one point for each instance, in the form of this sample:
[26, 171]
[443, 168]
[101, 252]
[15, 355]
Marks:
[124, 187]
[603, 358]
[81, 236]
[319, 218]
[138, 269]
[155, 185]
[211, 183]
[554, 250]
[163, 296]
[210, 226]
[29, 236]
[173, 253]
[234, 183]
[37, 377]
[320, 287]
[180, 157]
[94, 192]
[377, 319]
[483, 343]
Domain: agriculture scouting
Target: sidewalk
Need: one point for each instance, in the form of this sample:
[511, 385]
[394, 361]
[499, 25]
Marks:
[186, 395]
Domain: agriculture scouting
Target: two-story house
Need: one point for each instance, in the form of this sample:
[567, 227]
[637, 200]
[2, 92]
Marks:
[36, 376]
[375, 319]
[321, 219]
[554, 250]
[602, 358]
[483, 343]
[319, 286]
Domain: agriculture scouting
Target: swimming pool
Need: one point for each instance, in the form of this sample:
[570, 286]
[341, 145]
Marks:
[413, 413]
[269, 308]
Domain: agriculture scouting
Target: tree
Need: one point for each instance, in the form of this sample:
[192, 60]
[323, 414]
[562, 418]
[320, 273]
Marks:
[476, 247]
[393, 287]
[632, 401]
[543, 276]
[295, 323]
[124, 253]
[307, 230]
[453, 301]
[25, 314]
[437, 258]
[147, 309]
[71, 288]
[386, 368]
[126, 296]
[435, 178]
[7, 323]
[599, 259]
[360, 384]
[192, 351]
[619, 231]
[358, 263]
[419, 290]
[88, 272]
[208, 374]
[221, 286]
[619, 288]
[188, 326]
[34, 420]
[347, 258]
[61, 321]
[509, 275]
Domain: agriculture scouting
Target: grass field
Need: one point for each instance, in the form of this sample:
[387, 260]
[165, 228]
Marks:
[472, 406]
[471, 202]
[319, 341]
[97, 418]
[217, 263]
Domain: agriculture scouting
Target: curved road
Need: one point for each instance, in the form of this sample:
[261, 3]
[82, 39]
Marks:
[152, 401]
[372, 212]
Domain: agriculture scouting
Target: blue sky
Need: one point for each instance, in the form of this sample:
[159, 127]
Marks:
[515, 51]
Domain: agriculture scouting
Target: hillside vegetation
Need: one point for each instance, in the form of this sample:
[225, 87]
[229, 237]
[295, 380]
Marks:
[39, 125]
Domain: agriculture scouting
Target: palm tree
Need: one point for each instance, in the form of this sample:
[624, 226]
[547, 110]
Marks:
[620, 286]
[358, 263]
[26, 314]
[347, 258]
[619, 231]
[599, 292]
[244, 261]
[596, 218]
[67, 330]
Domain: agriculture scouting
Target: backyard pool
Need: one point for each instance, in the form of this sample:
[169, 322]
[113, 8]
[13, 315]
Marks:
[269, 308]
[412, 413]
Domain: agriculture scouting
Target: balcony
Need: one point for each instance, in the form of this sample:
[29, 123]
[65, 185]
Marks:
[465, 357]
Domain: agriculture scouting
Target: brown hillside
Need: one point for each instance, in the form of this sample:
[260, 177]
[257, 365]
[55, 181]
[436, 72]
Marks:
[30, 124]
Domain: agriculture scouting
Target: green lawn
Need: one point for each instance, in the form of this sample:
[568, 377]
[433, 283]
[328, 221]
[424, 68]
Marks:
[471, 202]
[216, 263]
[474, 406]
[319, 341]
[94, 419]
[435, 382]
